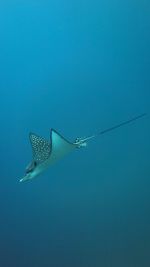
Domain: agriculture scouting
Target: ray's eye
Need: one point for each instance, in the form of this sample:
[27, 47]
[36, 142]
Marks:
[31, 167]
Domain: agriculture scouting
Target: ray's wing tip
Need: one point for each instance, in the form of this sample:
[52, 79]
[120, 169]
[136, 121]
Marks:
[53, 130]
[31, 133]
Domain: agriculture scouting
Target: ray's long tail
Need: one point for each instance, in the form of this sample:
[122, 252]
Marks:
[114, 127]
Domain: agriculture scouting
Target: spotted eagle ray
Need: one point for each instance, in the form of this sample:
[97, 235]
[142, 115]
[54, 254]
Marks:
[47, 153]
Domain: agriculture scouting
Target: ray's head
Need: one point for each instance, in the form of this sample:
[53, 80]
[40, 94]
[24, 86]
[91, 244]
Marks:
[31, 172]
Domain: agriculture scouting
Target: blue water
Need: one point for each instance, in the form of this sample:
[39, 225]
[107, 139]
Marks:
[79, 67]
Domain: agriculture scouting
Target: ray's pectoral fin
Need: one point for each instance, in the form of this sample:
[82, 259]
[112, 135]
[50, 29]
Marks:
[40, 148]
[59, 146]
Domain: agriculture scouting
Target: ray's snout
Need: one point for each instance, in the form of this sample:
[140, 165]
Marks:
[28, 176]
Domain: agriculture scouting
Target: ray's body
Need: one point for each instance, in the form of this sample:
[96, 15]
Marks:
[47, 153]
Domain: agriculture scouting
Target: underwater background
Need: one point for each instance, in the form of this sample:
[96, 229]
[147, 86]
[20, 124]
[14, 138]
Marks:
[78, 67]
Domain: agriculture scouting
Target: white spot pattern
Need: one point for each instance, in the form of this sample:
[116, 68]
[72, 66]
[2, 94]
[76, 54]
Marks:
[40, 147]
